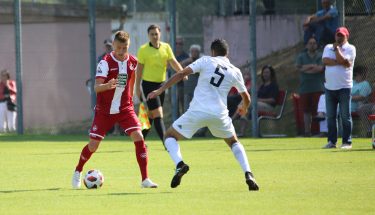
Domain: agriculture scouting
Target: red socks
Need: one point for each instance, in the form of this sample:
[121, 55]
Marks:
[140, 152]
[142, 158]
[85, 156]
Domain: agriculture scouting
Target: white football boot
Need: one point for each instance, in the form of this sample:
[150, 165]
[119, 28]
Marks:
[147, 183]
[76, 180]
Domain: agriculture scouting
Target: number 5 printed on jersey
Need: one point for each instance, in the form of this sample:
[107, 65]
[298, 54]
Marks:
[215, 80]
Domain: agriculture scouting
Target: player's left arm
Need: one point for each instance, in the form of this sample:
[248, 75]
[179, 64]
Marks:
[173, 80]
[244, 106]
[131, 84]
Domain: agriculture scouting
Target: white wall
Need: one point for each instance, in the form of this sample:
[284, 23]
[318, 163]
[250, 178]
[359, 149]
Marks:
[137, 26]
[273, 33]
[55, 68]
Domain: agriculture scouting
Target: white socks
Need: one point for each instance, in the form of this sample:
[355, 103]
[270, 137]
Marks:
[237, 149]
[239, 153]
[173, 149]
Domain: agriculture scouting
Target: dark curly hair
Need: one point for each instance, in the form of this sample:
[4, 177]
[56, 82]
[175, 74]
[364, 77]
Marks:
[273, 74]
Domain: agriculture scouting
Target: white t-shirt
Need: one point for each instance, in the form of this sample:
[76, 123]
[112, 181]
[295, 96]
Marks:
[216, 77]
[339, 77]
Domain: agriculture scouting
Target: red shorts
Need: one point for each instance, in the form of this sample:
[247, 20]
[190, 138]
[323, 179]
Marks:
[309, 102]
[103, 122]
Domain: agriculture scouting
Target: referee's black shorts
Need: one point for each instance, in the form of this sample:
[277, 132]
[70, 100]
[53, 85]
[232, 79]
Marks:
[148, 87]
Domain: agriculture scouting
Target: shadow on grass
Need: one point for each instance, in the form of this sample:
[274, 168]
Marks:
[125, 194]
[41, 138]
[34, 190]
[77, 153]
[274, 150]
[55, 138]
[356, 150]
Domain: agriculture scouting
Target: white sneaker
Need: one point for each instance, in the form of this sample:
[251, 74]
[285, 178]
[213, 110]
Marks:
[147, 183]
[346, 146]
[76, 180]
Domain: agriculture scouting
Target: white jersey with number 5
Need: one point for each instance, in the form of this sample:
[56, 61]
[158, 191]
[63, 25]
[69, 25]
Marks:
[216, 77]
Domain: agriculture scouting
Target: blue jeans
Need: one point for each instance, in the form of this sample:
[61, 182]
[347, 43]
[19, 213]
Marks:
[321, 33]
[341, 98]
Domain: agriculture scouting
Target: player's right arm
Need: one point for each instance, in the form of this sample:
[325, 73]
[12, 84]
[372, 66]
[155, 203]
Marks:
[100, 86]
[101, 74]
[178, 76]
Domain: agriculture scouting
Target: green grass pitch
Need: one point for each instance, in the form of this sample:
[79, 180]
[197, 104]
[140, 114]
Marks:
[295, 176]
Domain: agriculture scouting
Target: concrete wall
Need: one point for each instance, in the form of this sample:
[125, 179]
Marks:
[137, 26]
[55, 68]
[274, 33]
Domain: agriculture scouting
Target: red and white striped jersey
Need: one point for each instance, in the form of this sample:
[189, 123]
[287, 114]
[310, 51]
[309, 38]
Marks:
[119, 99]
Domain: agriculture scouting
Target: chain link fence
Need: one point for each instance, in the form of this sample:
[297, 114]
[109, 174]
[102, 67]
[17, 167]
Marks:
[56, 50]
[359, 18]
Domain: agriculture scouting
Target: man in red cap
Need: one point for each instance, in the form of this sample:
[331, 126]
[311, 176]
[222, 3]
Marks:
[338, 59]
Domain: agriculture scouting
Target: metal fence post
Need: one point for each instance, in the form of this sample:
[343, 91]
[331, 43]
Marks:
[172, 19]
[253, 65]
[341, 10]
[18, 44]
[92, 17]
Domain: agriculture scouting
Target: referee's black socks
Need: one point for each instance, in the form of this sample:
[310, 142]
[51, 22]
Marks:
[160, 127]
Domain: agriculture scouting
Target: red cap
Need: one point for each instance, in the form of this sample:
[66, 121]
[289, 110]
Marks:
[344, 31]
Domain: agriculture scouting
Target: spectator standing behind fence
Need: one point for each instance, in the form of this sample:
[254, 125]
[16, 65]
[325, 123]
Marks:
[322, 24]
[153, 58]
[267, 96]
[339, 61]
[311, 70]
[361, 88]
[181, 55]
[8, 93]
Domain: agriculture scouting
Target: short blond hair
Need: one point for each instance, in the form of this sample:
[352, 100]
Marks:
[122, 36]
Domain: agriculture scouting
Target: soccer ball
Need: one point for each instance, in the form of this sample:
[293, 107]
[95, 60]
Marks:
[93, 179]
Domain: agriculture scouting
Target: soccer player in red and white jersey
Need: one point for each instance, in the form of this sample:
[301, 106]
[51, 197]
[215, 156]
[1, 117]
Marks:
[114, 84]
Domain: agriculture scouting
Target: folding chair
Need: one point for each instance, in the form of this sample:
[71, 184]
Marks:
[372, 118]
[281, 100]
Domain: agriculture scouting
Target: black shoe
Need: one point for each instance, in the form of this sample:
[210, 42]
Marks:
[250, 181]
[180, 171]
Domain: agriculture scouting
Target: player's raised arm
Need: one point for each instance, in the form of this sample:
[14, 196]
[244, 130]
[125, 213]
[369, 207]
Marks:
[174, 79]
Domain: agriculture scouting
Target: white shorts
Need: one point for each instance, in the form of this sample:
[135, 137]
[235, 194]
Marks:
[191, 121]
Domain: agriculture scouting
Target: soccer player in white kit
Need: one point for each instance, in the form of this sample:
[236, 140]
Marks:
[209, 108]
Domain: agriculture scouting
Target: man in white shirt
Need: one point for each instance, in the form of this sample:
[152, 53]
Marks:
[339, 61]
[209, 108]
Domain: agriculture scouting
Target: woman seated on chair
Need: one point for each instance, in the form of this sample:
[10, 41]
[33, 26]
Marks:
[267, 97]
